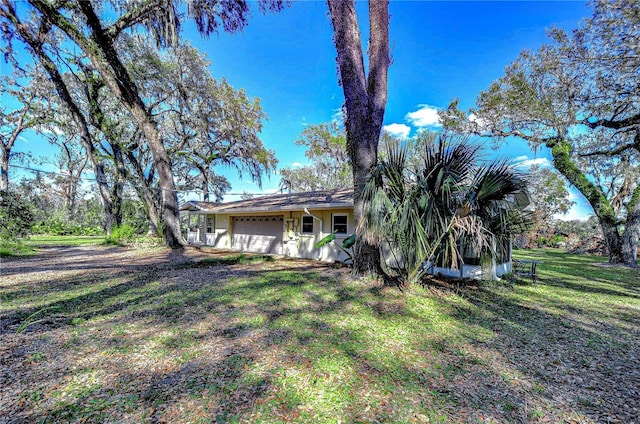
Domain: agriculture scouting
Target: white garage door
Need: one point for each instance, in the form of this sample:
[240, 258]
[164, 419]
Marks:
[261, 234]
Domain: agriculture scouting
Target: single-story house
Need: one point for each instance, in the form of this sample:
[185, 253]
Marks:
[284, 224]
[291, 224]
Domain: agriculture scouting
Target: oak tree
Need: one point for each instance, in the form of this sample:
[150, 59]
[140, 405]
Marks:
[95, 29]
[330, 167]
[578, 96]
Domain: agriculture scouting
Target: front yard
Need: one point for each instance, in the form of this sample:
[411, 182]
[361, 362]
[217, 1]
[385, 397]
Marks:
[108, 334]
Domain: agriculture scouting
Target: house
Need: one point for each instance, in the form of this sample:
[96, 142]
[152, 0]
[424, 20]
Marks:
[284, 224]
[291, 224]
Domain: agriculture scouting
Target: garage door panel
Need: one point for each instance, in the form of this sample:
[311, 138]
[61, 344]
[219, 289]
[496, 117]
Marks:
[261, 234]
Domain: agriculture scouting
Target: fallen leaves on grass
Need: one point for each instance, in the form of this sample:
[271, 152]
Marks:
[196, 335]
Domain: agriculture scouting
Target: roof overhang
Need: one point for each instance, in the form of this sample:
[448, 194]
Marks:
[283, 208]
[316, 200]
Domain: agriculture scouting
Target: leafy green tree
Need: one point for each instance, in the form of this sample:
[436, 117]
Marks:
[365, 93]
[65, 107]
[213, 125]
[436, 212]
[16, 217]
[330, 165]
[549, 194]
[549, 197]
[578, 96]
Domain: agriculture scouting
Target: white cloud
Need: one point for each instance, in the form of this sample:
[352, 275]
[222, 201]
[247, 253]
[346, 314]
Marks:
[576, 212]
[21, 138]
[55, 130]
[425, 116]
[296, 165]
[525, 162]
[398, 130]
[338, 116]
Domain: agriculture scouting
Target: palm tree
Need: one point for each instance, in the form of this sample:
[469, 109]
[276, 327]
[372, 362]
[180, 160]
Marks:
[433, 213]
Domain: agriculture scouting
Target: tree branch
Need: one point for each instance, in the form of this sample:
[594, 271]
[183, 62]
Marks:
[613, 124]
[348, 45]
[379, 60]
[132, 17]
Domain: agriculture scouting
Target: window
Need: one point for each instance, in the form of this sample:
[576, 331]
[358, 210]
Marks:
[339, 223]
[307, 225]
[210, 224]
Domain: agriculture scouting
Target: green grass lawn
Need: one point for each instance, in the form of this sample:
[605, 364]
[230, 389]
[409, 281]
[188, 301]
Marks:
[47, 240]
[228, 339]
[27, 247]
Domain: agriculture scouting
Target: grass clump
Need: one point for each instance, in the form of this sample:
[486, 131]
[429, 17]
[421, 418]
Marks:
[15, 248]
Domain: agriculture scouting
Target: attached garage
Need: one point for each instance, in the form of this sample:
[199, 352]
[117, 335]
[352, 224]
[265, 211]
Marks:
[262, 234]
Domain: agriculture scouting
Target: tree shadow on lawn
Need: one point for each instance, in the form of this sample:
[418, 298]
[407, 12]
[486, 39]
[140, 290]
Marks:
[592, 368]
[588, 268]
[229, 343]
[608, 281]
[162, 397]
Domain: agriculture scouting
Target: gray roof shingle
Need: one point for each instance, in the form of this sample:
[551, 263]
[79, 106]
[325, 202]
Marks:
[323, 199]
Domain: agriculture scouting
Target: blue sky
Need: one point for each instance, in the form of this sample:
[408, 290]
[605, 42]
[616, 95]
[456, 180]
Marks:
[440, 50]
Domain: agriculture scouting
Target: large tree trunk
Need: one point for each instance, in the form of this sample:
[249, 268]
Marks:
[145, 193]
[105, 196]
[4, 169]
[629, 246]
[205, 188]
[119, 81]
[170, 210]
[118, 185]
[112, 199]
[612, 239]
[365, 101]
[560, 150]
[154, 219]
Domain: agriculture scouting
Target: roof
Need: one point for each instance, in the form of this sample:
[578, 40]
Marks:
[323, 199]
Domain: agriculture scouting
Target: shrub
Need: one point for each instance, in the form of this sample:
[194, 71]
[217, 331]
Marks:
[123, 234]
[56, 226]
[53, 226]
